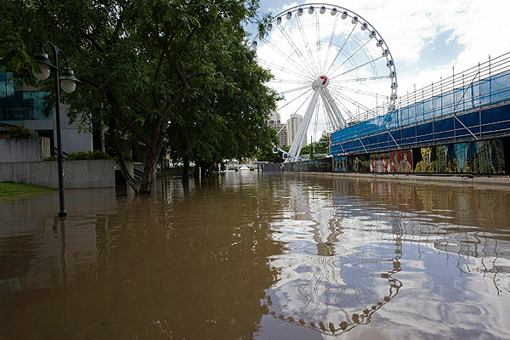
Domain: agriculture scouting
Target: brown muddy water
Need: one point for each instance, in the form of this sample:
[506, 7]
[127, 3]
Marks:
[252, 256]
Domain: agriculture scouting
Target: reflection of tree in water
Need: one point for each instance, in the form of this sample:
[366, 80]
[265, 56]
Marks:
[329, 281]
[196, 268]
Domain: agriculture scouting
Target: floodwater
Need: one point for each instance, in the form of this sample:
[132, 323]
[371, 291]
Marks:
[252, 256]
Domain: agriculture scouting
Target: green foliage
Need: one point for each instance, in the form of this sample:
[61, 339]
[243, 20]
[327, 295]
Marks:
[269, 156]
[19, 132]
[146, 63]
[316, 148]
[82, 155]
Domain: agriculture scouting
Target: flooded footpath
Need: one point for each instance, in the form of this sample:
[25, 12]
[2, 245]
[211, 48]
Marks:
[253, 256]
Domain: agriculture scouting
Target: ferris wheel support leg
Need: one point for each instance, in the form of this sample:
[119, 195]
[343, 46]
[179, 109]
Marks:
[297, 144]
[335, 123]
[335, 108]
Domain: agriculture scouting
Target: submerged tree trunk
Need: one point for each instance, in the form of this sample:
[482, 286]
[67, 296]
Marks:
[196, 173]
[185, 169]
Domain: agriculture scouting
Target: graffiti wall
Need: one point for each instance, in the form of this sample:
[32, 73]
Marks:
[401, 161]
[480, 157]
[358, 163]
[483, 157]
[380, 162]
[340, 164]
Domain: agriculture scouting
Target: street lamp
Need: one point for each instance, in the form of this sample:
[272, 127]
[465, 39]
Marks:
[68, 82]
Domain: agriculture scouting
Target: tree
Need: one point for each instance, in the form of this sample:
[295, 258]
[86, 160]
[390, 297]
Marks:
[230, 119]
[139, 61]
[316, 148]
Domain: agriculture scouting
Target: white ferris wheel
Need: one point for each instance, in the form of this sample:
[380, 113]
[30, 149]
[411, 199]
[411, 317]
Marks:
[330, 66]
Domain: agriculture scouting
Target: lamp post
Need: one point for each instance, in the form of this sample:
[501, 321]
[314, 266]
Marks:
[68, 82]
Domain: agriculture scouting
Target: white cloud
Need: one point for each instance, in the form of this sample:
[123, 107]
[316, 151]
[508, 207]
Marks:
[481, 27]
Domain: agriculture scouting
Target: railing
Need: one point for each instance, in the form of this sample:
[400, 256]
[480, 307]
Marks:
[54, 152]
[484, 85]
[138, 174]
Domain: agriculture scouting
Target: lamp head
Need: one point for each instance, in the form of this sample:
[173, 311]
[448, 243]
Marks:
[45, 66]
[68, 80]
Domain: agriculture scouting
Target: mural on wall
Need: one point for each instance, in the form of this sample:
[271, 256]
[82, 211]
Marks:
[340, 164]
[442, 159]
[487, 157]
[358, 163]
[401, 161]
[483, 157]
[380, 162]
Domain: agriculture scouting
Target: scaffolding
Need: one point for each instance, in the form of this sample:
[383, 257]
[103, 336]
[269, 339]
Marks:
[471, 105]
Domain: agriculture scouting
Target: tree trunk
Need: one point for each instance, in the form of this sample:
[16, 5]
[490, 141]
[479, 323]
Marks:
[196, 173]
[151, 159]
[203, 172]
[120, 160]
[185, 169]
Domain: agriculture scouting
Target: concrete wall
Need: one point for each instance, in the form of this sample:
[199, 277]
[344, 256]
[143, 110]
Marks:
[77, 174]
[24, 150]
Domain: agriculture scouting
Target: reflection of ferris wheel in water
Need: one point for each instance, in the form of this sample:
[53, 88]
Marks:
[327, 62]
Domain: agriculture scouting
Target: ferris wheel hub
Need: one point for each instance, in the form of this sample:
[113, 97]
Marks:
[321, 81]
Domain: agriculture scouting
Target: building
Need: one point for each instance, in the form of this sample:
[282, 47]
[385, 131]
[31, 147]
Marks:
[23, 105]
[292, 129]
[281, 129]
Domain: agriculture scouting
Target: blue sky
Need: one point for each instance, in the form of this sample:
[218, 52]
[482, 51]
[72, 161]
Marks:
[427, 38]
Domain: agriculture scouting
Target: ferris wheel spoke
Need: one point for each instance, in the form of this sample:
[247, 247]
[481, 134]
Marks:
[346, 110]
[285, 68]
[299, 66]
[333, 31]
[318, 43]
[361, 79]
[290, 81]
[350, 57]
[307, 46]
[307, 87]
[297, 98]
[296, 50]
[341, 48]
[362, 92]
[357, 67]
[350, 100]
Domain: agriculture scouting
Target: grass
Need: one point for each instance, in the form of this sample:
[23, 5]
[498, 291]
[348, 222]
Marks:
[14, 190]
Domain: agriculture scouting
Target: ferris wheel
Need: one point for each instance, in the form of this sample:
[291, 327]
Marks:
[330, 67]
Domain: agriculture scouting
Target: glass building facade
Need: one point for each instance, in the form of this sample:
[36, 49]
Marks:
[17, 105]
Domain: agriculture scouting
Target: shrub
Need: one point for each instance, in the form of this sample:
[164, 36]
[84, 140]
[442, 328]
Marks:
[82, 155]
[19, 132]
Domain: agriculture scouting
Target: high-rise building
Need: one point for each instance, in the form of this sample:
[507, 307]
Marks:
[292, 128]
[281, 129]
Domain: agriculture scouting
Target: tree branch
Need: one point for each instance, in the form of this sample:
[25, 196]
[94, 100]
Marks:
[119, 113]
[165, 49]
[168, 108]
[91, 40]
